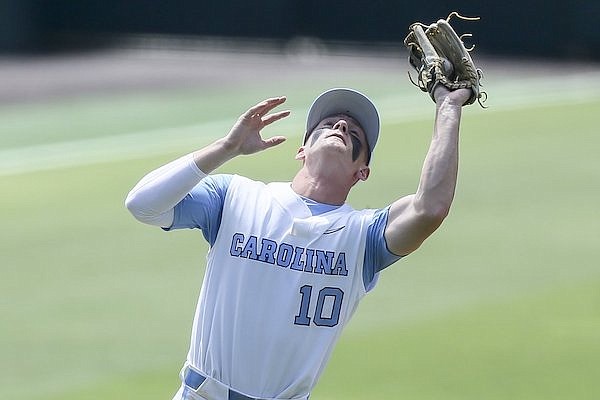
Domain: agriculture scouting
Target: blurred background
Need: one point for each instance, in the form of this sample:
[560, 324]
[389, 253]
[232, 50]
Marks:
[503, 302]
[533, 28]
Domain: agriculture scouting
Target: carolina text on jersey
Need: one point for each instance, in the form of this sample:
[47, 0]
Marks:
[286, 255]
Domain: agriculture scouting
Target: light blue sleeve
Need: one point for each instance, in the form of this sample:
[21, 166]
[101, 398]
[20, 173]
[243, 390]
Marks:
[377, 254]
[202, 207]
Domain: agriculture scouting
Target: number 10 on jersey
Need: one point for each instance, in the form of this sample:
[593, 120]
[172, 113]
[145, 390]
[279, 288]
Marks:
[330, 296]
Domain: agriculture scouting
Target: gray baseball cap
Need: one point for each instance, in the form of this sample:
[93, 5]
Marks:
[349, 102]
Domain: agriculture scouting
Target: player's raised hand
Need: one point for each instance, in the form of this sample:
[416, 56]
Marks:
[245, 135]
[457, 97]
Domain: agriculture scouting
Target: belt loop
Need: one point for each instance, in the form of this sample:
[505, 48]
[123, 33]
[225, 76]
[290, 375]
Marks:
[233, 395]
[193, 379]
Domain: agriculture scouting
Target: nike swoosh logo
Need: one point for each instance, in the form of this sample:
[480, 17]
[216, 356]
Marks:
[333, 230]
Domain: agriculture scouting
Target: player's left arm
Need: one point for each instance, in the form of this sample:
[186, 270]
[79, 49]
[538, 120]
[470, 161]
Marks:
[413, 218]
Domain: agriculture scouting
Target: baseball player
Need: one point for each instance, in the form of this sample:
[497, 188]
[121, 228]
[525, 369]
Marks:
[290, 261]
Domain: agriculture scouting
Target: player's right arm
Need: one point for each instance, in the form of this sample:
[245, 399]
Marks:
[244, 137]
[155, 196]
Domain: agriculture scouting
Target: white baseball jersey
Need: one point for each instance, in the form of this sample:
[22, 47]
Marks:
[279, 287]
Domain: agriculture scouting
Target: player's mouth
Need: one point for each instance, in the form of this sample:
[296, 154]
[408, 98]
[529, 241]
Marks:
[338, 135]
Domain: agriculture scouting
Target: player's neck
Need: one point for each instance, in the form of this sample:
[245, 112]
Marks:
[323, 188]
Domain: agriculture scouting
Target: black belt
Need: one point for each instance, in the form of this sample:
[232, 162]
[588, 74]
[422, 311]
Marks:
[194, 379]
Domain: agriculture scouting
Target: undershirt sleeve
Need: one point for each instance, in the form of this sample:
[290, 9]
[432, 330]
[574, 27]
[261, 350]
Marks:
[152, 199]
[377, 254]
[202, 207]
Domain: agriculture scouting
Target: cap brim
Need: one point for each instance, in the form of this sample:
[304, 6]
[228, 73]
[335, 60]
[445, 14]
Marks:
[349, 102]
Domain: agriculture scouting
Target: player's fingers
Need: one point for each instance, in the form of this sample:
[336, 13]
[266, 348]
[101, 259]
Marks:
[273, 141]
[269, 119]
[270, 104]
[264, 106]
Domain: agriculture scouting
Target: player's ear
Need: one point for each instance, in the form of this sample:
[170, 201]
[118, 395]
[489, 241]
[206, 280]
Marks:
[363, 173]
[300, 154]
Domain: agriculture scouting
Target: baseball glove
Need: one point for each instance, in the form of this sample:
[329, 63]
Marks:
[439, 56]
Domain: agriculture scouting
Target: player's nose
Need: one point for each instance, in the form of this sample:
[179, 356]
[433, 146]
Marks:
[341, 125]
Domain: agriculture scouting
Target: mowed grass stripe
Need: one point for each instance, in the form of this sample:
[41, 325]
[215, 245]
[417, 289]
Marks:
[514, 95]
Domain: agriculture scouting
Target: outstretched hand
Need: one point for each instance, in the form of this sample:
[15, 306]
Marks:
[245, 135]
[456, 97]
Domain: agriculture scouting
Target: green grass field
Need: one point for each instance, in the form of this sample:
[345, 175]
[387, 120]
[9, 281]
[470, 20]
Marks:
[503, 302]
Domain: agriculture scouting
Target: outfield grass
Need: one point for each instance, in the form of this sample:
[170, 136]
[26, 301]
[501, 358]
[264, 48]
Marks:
[503, 302]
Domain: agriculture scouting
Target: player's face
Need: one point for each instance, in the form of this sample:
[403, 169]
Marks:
[345, 132]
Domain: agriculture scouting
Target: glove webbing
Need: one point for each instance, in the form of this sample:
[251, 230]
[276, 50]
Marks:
[429, 78]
